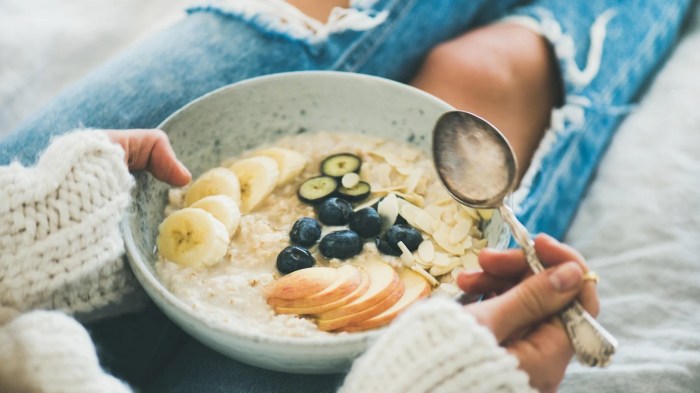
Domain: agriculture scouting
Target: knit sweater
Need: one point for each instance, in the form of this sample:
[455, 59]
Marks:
[60, 249]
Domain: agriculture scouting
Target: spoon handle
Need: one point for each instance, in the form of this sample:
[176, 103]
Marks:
[593, 344]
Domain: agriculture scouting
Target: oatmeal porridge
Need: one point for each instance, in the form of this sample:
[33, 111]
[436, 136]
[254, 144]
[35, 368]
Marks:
[319, 232]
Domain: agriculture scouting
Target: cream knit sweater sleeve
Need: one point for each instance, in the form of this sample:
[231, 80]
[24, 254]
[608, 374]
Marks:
[436, 347]
[60, 245]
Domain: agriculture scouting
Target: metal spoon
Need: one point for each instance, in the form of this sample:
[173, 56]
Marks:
[477, 166]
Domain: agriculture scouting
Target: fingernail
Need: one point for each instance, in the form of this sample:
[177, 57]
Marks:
[566, 277]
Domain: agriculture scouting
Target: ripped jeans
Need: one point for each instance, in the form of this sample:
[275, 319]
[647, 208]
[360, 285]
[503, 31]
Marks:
[607, 50]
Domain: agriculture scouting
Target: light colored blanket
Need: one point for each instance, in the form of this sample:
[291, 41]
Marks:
[639, 225]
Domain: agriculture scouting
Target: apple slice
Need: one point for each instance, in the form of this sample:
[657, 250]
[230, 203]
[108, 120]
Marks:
[370, 312]
[417, 288]
[349, 278]
[301, 283]
[384, 281]
[359, 291]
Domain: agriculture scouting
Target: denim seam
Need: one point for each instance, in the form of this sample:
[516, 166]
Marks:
[572, 151]
[358, 54]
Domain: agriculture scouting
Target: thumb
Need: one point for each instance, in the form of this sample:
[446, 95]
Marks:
[535, 299]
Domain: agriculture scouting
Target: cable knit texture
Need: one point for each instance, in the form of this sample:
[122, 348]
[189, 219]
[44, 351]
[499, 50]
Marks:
[436, 347]
[49, 352]
[60, 246]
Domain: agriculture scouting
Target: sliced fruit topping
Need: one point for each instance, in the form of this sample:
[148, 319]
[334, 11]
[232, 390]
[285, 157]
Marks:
[341, 244]
[294, 258]
[334, 211]
[348, 279]
[331, 305]
[289, 162]
[305, 232]
[223, 208]
[302, 283]
[192, 237]
[384, 281]
[258, 177]
[317, 189]
[358, 192]
[338, 165]
[416, 288]
[216, 181]
[366, 222]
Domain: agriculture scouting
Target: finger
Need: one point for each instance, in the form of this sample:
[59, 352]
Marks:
[551, 252]
[163, 163]
[548, 344]
[480, 282]
[503, 263]
[535, 299]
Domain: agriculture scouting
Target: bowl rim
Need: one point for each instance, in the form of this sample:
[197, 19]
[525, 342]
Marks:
[148, 279]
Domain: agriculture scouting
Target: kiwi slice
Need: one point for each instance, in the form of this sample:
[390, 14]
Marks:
[340, 164]
[356, 193]
[316, 189]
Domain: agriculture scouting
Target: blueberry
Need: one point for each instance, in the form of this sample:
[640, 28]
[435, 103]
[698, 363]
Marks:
[305, 232]
[294, 258]
[366, 222]
[334, 211]
[341, 244]
[407, 234]
[386, 248]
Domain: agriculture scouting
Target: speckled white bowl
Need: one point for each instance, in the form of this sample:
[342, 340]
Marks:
[244, 115]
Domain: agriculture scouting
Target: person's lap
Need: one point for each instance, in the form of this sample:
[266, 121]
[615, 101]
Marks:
[210, 50]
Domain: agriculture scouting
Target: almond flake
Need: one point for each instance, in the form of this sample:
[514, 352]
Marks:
[440, 270]
[379, 189]
[475, 232]
[470, 211]
[425, 223]
[441, 259]
[460, 231]
[367, 204]
[479, 243]
[404, 170]
[388, 210]
[442, 236]
[414, 198]
[486, 214]
[426, 251]
[467, 243]
[413, 180]
[380, 175]
[470, 261]
[434, 210]
[450, 289]
[349, 180]
[406, 256]
[425, 274]
[444, 201]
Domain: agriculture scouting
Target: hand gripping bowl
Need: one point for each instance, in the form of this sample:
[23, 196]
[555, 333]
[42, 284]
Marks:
[242, 116]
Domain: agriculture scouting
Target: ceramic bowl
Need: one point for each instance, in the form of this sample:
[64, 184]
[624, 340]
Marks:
[242, 116]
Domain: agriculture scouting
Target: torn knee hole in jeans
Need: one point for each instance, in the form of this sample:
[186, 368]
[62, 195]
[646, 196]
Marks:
[570, 116]
[280, 17]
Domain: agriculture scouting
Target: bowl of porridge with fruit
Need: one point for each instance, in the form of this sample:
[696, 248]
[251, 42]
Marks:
[314, 218]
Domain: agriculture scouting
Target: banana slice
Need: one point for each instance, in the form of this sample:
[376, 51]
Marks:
[216, 181]
[289, 162]
[258, 177]
[192, 237]
[223, 208]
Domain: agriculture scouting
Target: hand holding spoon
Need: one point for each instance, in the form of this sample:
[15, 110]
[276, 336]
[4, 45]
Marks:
[477, 166]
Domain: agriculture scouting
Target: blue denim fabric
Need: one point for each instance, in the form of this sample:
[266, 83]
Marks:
[212, 48]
